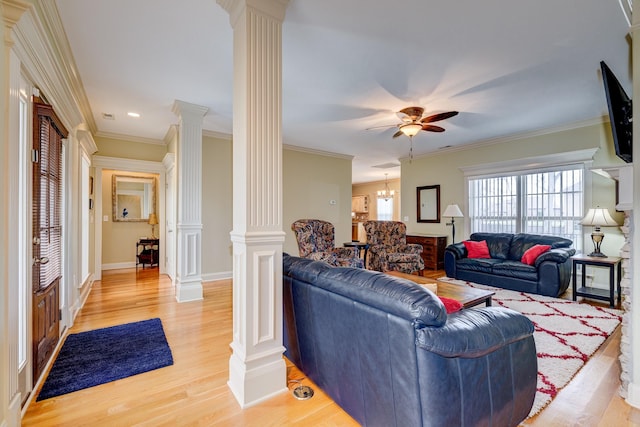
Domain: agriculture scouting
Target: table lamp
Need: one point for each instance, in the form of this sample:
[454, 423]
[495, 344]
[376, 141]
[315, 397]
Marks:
[454, 212]
[598, 217]
[153, 221]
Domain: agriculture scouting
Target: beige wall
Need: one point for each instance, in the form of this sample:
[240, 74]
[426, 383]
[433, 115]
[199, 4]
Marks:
[217, 206]
[443, 168]
[110, 147]
[371, 189]
[310, 183]
[308, 189]
[119, 238]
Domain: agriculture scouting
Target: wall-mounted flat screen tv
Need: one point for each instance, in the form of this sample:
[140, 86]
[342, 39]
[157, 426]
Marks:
[620, 114]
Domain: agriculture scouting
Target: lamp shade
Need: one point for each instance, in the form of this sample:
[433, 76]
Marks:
[453, 211]
[599, 217]
[153, 219]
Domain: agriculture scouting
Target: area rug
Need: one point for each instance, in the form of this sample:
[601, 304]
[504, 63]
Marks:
[103, 355]
[566, 334]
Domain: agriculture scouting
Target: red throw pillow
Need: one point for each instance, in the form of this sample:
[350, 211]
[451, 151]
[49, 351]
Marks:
[451, 305]
[477, 249]
[531, 254]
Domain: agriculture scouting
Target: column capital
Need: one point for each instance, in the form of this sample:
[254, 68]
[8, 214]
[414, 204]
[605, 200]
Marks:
[274, 8]
[13, 10]
[182, 109]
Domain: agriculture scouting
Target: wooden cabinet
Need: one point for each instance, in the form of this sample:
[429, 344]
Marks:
[432, 249]
[360, 204]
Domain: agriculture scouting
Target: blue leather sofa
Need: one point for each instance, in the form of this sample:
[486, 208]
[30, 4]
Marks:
[384, 349]
[550, 275]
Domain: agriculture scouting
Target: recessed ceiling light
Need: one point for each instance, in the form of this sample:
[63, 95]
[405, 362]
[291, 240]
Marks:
[132, 114]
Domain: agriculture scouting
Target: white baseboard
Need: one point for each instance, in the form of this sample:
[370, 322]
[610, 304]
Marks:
[82, 298]
[119, 265]
[212, 277]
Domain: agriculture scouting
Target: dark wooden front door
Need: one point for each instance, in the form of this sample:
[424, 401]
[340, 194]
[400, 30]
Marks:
[48, 133]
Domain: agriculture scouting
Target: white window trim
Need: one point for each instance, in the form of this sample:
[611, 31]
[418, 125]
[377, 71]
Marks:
[548, 161]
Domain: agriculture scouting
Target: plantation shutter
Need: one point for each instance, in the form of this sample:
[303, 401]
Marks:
[47, 188]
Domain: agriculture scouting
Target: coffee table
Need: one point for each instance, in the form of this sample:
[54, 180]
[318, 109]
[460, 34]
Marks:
[467, 296]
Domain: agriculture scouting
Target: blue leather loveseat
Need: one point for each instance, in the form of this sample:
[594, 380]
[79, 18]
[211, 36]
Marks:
[384, 349]
[550, 274]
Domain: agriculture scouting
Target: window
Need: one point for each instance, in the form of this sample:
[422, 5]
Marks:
[546, 202]
[385, 209]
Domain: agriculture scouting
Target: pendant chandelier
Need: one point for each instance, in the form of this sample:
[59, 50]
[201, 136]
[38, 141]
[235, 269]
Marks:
[386, 194]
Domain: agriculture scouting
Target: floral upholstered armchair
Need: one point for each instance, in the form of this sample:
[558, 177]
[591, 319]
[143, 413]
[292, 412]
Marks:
[316, 241]
[389, 251]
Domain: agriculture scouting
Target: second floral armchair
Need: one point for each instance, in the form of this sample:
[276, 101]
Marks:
[389, 251]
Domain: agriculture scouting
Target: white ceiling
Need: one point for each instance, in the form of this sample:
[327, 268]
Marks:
[508, 67]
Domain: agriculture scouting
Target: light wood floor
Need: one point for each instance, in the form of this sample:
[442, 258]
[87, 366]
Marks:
[193, 391]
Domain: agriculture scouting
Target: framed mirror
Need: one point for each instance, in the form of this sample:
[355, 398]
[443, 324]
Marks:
[133, 198]
[428, 198]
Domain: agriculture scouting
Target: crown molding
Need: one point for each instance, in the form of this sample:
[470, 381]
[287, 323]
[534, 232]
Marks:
[317, 152]
[42, 48]
[515, 137]
[130, 138]
[51, 19]
[218, 135]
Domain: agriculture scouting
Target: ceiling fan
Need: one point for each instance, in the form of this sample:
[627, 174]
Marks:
[413, 122]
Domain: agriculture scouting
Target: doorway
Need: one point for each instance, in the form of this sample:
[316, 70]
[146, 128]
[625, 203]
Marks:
[47, 237]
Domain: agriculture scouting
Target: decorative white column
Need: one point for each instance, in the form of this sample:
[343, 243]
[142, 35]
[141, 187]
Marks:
[189, 201]
[10, 396]
[257, 370]
[631, 335]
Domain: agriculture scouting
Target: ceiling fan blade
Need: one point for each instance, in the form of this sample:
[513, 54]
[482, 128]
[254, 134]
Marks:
[432, 128]
[439, 116]
[383, 126]
[413, 112]
[397, 134]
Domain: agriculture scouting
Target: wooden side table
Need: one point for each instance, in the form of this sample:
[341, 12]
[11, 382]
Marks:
[612, 263]
[147, 251]
[360, 246]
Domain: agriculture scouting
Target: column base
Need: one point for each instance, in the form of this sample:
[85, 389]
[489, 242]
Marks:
[261, 381]
[14, 416]
[633, 395]
[189, 291]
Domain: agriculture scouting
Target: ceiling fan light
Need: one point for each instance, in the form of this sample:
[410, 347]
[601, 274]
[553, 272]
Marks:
[411, 129]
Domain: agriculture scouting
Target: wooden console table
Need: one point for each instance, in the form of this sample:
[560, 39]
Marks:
[596, 293]
[432, 249]
[147, 252]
